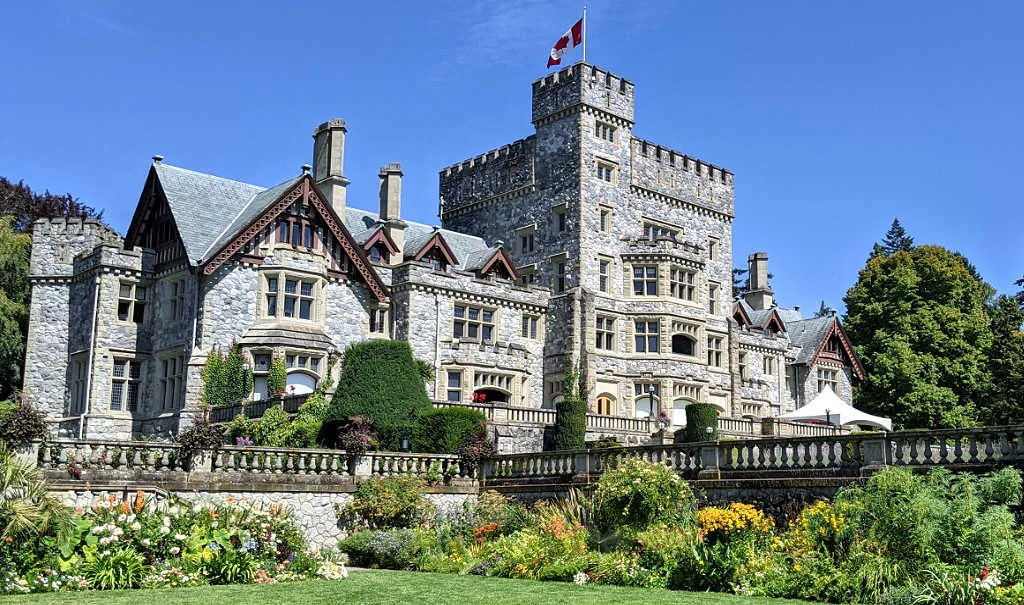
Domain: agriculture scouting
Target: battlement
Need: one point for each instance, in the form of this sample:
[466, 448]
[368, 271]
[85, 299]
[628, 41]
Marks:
[513, 150]
[670, 159]
[75, 226]
[586, 84]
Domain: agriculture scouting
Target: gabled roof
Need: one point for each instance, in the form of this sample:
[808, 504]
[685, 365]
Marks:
[485, 260]
[380, 236]
[759, 318]
[812, 334]
[202, 205]
[256, 205]
[436, 242]
[463, 246]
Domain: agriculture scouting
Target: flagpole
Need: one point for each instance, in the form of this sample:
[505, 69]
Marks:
[584, 33]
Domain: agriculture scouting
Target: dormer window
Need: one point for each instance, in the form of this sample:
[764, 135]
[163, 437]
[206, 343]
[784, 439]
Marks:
[374, 254]
[435, 263]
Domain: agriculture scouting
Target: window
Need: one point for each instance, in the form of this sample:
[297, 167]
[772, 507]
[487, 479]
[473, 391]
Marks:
[560, 276]
[296, 227]
[602, 274]
[647, 396]
[374, 254]
[131, 302]
[559, 218]
[646, 336]
[605, 172]
[713, 248]
[290, 297]
[172, 380]
[176, 308]
[715, 351]
[744, 374]
[645, 280]
[379, 321]
[712, 298]
[683, 345]
[605, 331]
[655, 232]
[454, 386]
[605, 405]
[530, 326]
[768, 366]
[79, 367]
[435, 261]
[833, 345]
[473, 323]
[604, 131]
[124, 384]
[527, 275]
[828, 378]
[261, 362]
[682, 283]
[526, 243]
[604, 219]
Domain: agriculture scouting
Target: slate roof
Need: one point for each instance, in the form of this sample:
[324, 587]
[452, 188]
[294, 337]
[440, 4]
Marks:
[210, 211]
[758, 317]
[203, 205]
[808, 334]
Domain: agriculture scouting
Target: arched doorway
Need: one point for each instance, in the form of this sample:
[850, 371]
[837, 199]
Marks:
[679, 411]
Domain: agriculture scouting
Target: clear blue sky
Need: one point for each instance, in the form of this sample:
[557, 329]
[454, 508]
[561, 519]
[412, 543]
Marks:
[834, 116]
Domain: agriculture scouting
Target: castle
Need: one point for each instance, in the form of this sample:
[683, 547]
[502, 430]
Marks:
[579, 244]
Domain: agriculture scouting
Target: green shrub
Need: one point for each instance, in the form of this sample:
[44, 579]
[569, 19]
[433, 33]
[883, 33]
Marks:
[229, 566]
[380, 381]
[385, 549]
[200, 436]
[637, 494]
[444, 431]
[571, 415]
[699, 416]
[225, 380]
[20, 425]
[391, 502]
[112, 570]
[277, 377]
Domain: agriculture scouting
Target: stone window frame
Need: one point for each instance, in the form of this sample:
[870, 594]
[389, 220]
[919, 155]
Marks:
[713, 290]
[131, 302]
[604, 273]
[453, 384]
[653, 230]
[828, 377]
[531, 326]
[171, 371]
[525, 238]
[559, 273]
[315, 298]
[604, 405]
[714, 246]
[604, 130]
[645, 280]
[604, 333]
[379, 321]
[560, 218]
[715, 350]
[554, 390]
[744, 368]
[474, 316]
[682, 284]
[527, 274]
[606, 171]
[605, 216]
[122, 383]
[79, 372]
[768, 365]
[651, 339]
[176, 288]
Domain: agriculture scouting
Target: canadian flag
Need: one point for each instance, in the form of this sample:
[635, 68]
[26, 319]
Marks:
[569, 40]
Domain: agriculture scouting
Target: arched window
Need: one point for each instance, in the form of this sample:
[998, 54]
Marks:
[605, 405]
[489, 396]
[679, 411]
[683, 345]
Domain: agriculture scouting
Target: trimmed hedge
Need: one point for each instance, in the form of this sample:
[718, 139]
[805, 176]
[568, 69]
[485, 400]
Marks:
[381, 381]
[699, 416]
[446, 430]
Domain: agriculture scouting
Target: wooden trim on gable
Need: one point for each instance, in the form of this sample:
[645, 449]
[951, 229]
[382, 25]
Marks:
[839, 332]
[437, 241]
[738, 308]
[500, 256]
[172, 251]
[303, 190]
[777, 321]
[381, 237]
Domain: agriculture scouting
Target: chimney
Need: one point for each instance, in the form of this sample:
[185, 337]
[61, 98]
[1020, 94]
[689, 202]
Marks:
[391, 208]
[329, 163]
[759, 294]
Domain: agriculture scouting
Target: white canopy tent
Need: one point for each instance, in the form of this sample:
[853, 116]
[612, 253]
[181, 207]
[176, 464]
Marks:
[828, 407]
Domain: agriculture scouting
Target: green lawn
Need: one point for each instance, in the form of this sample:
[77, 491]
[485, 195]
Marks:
[383, 587]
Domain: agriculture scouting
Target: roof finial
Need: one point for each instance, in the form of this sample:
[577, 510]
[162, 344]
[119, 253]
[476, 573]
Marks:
[306, 168]
[158, 158]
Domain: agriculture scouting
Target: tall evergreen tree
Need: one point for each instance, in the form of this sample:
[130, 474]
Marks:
[823, 310]
[918, 321]
[896, 239]
[14, 293]
[740, 283]
[1005, 403]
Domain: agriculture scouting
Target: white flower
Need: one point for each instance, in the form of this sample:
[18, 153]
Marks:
[166, 521]
[175, 550]
[214, 525]
[173, 510]
[145, 542]
[136, 526]
[96, 530]
[118, 531]
[179, 536]
[131, 517]
[121, 518]
[165, 530]
[580, 578]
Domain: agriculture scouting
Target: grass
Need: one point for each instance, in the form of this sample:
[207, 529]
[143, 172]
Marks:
[398, 587]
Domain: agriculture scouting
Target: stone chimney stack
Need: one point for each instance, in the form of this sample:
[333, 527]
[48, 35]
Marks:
[329, 163]
[391, 208]
[759, 294]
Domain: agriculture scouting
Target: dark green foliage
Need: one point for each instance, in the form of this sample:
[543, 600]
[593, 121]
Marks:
[122, 569]
[700, 416]
[231, 567]
[896, 240]
[380, 381]
[200, 436]
[918, 321]
[824, 310]
[445, 430]
[571, 414]
[391, 502]
[25, 207]
[20, 425]
[1005, 402]
[740, 284]
[225, 381]
[277, 377]
[426, 370]
[14, 296]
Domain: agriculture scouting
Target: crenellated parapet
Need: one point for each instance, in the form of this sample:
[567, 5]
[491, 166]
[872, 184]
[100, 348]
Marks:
[582, 84]
[674, 174]
[490, 175]
[57, 241]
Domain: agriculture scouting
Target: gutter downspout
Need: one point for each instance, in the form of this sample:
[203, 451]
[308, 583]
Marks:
[92, 349]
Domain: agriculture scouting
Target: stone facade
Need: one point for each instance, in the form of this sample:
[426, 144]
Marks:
[580, 245]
